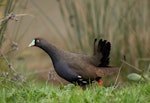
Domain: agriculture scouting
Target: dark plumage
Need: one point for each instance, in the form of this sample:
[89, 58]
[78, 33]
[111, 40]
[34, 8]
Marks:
[78, 68]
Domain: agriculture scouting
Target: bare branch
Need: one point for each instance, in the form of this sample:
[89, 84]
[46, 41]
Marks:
[12, 16]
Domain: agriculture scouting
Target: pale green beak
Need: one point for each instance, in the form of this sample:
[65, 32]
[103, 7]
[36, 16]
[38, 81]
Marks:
[32, 43]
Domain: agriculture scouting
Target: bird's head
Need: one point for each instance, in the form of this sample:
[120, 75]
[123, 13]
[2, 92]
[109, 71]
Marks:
[37, 42]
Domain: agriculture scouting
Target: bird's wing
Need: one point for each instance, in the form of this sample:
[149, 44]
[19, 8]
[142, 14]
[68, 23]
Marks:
[64, 71]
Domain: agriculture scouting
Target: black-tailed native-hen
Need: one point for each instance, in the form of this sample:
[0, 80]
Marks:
[79, 68]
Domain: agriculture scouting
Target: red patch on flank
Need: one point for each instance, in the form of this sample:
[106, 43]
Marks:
[100, 82]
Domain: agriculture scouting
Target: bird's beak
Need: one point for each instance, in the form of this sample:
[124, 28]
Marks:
[32, 43]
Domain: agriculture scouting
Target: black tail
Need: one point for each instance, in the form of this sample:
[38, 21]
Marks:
[102, 52]
[104, 47]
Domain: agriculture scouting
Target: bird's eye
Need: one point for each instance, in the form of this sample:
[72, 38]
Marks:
[37, 40]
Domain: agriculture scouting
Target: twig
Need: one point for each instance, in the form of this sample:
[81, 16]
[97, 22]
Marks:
[9, 64]
[16, 75]
[132, 66]
[12, 16]
[124, 62]
[118, 74]
[148, 69]
[124, 57]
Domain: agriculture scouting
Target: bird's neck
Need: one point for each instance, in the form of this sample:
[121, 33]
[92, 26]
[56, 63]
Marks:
[53, 52]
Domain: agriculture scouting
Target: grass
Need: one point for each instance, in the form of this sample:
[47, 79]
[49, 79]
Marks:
[15, 92]
[8, 6]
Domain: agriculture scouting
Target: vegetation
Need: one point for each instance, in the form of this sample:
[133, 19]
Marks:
[14, 92]
[124, 23]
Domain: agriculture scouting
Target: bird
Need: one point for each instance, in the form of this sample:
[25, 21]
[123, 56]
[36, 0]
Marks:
[76, 68]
